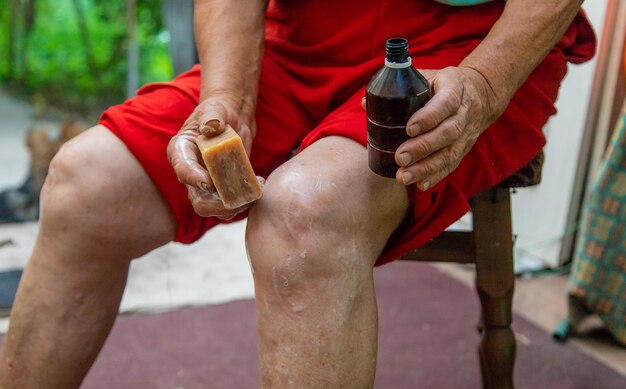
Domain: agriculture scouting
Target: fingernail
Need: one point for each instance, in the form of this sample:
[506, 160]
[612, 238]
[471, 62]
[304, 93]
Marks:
[413, 130]
[425, 185]
[204, 187]
[215, 123]
[210, 127]
[405, 159]
[407, 177]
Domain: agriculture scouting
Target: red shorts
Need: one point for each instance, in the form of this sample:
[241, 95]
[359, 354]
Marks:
[319, 56]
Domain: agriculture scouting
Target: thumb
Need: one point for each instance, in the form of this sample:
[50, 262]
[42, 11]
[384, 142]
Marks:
[213, 118]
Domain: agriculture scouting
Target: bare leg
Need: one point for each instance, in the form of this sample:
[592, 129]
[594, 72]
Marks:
[99, 211]
[313, 240]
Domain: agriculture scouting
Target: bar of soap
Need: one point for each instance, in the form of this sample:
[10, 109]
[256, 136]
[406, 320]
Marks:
[229, 167]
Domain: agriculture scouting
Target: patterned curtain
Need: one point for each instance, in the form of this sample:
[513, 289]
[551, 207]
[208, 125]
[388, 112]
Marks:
[597, 284]
[598, 281]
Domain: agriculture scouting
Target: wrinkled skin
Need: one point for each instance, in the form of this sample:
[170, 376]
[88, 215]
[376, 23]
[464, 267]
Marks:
[443, 132]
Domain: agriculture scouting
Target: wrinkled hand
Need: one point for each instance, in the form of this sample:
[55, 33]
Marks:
[462, 106]
[209, 118]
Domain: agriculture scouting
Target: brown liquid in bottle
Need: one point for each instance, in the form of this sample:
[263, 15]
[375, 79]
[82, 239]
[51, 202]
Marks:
[393, 95]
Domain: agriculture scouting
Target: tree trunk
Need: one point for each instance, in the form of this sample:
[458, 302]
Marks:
[178, 18]
[132, 80]
[12, 35]
[84, 34]
[28, 22]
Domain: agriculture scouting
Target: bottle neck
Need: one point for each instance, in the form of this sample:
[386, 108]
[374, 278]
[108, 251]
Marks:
[398, 65]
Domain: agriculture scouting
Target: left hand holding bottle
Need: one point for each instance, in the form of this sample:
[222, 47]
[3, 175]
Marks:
[462, 106]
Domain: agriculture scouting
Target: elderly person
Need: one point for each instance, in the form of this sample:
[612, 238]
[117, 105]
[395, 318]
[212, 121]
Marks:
[284, 75]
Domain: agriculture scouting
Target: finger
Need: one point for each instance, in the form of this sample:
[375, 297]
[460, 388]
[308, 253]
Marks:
[363, 103]
[200, 196]
[448, 92]
[210, 204]
[184, 157]
[213, 118]
[421, 146]
[234, 212]
[207, 203]
[439, 164]
[433, 180]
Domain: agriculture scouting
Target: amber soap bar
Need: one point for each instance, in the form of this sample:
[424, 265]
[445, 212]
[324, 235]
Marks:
[229, 167]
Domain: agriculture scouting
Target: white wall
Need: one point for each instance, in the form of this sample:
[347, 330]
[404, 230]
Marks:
[540, 213]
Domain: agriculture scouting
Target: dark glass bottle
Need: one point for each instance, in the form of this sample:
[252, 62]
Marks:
[393, 95]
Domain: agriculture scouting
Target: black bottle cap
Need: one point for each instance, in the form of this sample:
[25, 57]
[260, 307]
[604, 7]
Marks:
[397, 50]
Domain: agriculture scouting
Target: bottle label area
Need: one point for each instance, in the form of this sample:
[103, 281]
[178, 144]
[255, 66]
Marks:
[384, 137]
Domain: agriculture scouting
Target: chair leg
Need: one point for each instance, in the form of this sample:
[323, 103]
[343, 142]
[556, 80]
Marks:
[495, 283]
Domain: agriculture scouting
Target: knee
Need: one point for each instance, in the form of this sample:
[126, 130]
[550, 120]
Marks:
[85, 198]
[75, 191]
[299, 236]
[301, 213]
[304, 208]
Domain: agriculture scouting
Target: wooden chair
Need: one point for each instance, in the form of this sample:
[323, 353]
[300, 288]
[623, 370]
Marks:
[490, 246]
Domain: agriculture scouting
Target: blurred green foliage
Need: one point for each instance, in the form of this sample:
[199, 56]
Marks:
[54, 61]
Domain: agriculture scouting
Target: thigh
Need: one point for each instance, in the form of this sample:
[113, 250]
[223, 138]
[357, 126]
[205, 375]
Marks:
[147, 122]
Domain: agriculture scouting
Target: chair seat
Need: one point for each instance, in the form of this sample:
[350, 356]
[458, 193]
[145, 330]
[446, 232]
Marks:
[529, 175]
